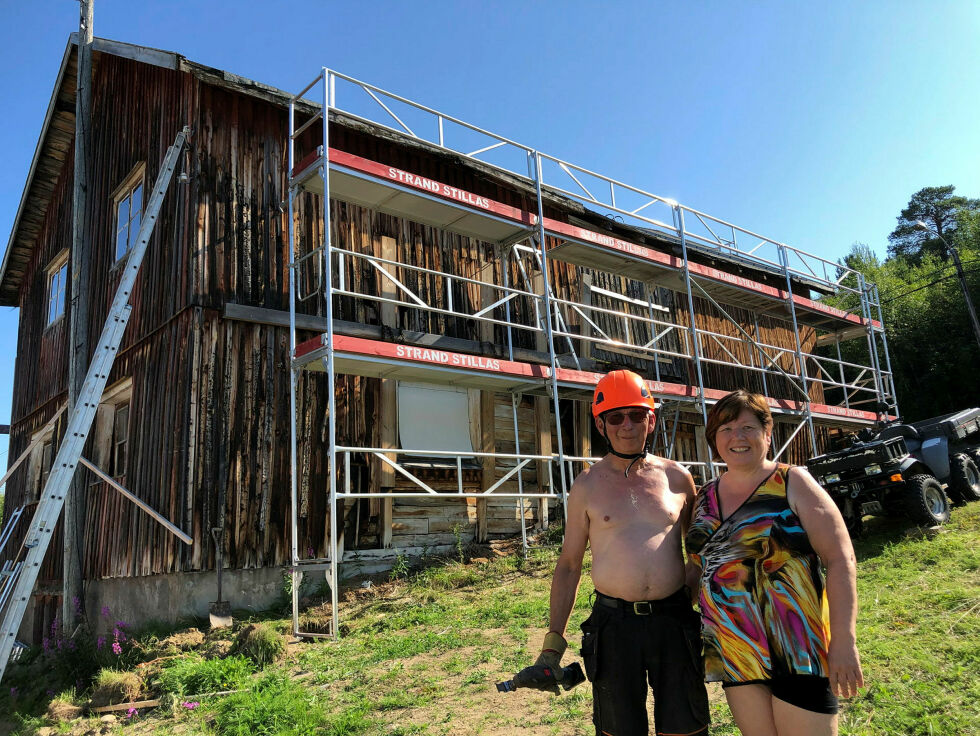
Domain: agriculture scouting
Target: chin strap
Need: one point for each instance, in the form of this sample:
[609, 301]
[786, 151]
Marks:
[634, 456]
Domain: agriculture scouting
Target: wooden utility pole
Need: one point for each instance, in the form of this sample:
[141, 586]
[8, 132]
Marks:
[74, 513]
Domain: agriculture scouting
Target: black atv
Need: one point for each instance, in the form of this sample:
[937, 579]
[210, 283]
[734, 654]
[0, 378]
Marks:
[898, 470]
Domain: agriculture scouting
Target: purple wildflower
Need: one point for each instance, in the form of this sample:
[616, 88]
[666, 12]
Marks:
[77, 604]
[105, 611]
[132, 713]
[190, 705]
[116, 649]
[100, 642]
[45, 644]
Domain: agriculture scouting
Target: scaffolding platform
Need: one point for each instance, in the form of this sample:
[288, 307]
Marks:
[402, 193]
[382, 359]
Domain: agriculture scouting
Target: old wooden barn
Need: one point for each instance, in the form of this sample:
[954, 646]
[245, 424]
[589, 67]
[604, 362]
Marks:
[460, 292]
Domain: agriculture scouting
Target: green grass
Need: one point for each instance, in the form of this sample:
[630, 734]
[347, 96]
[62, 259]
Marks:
[275, 705]
[919, 631]
[193, 675]
[420, 655]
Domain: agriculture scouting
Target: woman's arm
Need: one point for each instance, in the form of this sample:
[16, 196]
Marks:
[825, 528]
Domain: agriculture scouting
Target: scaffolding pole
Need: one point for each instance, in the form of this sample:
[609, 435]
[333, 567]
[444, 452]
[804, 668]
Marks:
[799, 349]
[679, 222]
[550, 336]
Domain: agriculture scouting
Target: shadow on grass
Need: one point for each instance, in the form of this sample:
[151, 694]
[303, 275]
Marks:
[878, 534]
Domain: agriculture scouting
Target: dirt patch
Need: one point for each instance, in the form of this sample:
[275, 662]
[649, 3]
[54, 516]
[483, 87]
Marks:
[471, 703]
[183, 641]
[120, 687]
[218, 649]
[60, 711]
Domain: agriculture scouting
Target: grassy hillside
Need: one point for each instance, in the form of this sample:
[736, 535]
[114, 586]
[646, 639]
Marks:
[420, 655]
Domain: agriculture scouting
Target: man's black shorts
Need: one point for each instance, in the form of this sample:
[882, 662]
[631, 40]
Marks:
[627, 645]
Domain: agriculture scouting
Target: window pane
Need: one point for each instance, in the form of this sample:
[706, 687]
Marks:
[134, 230]
[122, 242]
[56, 293]
[62, 288]
[122, 212]
[120, 440]
[136, 201]
[122, 227]
[121, 429]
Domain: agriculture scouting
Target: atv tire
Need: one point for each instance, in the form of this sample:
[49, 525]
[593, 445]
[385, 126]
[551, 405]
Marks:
[925, 502]
[850, 512]
[964, 478]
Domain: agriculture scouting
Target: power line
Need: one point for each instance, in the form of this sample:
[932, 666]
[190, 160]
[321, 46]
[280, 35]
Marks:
[931, 283]
[941, 270]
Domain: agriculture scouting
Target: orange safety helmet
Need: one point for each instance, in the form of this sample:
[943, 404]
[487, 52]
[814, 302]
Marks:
[619, 389]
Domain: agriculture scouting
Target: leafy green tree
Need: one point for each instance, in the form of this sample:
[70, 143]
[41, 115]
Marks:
[938, 208]
[930, 341]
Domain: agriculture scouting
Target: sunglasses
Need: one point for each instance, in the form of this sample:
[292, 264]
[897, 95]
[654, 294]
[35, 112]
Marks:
[618, 417]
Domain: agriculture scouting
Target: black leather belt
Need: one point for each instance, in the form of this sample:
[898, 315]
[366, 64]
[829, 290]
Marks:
[646, 608]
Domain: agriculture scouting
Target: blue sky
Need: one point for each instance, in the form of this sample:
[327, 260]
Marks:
[809, 123]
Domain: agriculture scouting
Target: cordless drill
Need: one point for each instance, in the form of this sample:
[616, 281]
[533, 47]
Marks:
[542, 677]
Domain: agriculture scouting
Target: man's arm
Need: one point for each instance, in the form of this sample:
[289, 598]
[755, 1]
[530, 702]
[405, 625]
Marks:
[568, 571]
[828, 536]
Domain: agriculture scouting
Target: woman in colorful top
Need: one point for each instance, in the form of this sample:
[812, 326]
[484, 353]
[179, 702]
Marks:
[759, 535]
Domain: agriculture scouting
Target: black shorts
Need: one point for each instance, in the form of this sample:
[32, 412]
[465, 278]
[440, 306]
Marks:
[809, 692]
[625, 646]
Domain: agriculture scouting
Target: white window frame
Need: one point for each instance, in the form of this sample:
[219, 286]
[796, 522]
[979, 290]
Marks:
[128, 222]
[57, 287]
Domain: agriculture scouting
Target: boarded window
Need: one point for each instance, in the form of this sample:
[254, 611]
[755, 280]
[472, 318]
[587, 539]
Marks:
[433, 417]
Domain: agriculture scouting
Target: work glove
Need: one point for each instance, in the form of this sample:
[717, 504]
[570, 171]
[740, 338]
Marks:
[552, 649]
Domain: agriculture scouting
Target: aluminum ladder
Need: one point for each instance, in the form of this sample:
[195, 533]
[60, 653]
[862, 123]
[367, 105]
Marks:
[83, 414]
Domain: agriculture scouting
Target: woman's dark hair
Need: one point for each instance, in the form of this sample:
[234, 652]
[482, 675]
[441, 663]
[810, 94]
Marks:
[728, 409]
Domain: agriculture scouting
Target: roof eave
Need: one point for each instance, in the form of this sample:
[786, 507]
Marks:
[9, 293]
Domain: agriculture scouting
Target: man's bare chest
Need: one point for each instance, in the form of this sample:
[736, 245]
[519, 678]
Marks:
[622, 504]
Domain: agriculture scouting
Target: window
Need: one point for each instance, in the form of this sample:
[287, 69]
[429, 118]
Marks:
[112, 429]
[57, 287]
[129, 211]
[42, 459]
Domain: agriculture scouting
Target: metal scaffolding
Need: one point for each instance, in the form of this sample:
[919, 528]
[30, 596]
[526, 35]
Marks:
[568, 329]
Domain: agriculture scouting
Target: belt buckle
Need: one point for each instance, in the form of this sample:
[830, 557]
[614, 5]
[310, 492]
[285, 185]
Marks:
[642, 608]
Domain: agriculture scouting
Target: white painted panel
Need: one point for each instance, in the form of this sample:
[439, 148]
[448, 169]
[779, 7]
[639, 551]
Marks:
[433, 417]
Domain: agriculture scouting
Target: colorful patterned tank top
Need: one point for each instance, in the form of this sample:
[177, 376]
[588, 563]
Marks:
[762, 587]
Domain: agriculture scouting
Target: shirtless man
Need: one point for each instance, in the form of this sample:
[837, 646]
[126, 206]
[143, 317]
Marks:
[632, 508]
